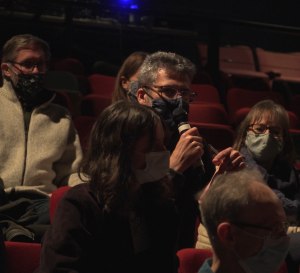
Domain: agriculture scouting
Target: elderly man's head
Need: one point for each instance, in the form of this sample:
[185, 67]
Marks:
[24, 63]
[244, 217]
[164, 84]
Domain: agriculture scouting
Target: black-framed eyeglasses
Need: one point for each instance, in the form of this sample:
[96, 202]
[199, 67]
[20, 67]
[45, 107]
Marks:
[28, 67]
[170, 92]
[262, 128]
[274, 232]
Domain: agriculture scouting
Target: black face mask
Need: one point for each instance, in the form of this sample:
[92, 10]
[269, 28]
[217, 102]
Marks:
[29, 85]
[165, 108]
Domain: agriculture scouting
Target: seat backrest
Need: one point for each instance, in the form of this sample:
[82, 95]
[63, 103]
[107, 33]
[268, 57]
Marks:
[240, 115]
[22, 257]
[218, 135]
[237, 57]
[294, 121]
[205, 93]
[93, 104]
[101, 84]
[61, 80]
[71, 65]
[238, 98]
[62, 99]
[295, 105]
[191, 259]
[84, 125]
[54, 200]
[283, 63]
[208, 113]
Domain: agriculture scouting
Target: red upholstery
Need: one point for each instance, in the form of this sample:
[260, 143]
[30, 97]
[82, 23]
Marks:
[295, 105]
[294, 120]
[219, 136]
[62, 99]
[206, 93]
[101, 84]
[55, 197]
[22, 257]
[84, 126]
[208, 113]
[93, 104]
[238, 98]
[191, 259]
[240, 115]
[71, 65]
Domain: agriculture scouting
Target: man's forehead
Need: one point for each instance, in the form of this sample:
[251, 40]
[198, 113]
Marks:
[171, 75]
[35, 49]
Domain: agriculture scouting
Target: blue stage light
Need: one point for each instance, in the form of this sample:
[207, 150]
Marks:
[134, 7]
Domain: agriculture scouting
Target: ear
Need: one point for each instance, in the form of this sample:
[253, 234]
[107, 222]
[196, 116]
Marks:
[141, 96]
[124, 82]
[226, 234]
[6, 70]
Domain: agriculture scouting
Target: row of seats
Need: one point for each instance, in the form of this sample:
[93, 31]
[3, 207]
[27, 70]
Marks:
[241, 60]
[25, 258]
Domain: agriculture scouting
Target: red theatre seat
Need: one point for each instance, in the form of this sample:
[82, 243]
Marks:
[22, 257]
[84, 126]
[54, 200]
[101, 84]
[218, 135]
[93, 104]
[238, 98]
[208, 113]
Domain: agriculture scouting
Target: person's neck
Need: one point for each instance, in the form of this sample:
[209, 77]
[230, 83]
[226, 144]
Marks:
[227, 264]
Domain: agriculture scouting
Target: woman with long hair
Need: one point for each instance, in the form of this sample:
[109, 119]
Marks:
[123, 218]
[126, 81]
[265, 141]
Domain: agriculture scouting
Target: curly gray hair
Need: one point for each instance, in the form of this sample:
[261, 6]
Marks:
[164, 61]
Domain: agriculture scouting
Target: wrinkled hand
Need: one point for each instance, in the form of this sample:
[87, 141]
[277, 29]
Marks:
[187, 150]
[229, 160]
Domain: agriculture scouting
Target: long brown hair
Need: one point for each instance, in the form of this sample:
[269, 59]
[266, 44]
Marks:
[130, 66]
[272, 112]
[107, 163]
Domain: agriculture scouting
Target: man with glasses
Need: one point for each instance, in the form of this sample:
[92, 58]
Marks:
[39, 149]
[164, 84]
[246, 227]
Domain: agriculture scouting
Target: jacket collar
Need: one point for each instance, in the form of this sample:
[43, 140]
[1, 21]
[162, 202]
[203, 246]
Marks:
[45, 97]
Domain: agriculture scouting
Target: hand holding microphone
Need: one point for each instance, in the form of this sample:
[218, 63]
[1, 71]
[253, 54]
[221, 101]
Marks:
[188, 150]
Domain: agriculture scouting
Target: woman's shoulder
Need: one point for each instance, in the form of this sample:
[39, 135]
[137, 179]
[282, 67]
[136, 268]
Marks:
[80, 195]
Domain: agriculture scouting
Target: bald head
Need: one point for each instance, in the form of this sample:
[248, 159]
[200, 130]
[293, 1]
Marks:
[239, 196]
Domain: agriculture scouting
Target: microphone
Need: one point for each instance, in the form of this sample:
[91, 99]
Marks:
[180, 117]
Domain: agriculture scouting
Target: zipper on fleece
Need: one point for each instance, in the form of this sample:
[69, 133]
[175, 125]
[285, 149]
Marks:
[26, 117]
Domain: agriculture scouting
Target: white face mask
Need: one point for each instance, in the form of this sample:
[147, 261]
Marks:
[157, 166]
[269, 258]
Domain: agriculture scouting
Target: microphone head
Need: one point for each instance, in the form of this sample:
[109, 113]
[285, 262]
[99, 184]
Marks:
[180, 116]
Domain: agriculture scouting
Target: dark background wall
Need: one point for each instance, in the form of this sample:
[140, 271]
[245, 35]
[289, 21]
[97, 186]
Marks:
[109, 31]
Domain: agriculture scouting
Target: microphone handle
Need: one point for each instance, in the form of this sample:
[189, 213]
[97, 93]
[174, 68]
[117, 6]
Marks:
[198, 165]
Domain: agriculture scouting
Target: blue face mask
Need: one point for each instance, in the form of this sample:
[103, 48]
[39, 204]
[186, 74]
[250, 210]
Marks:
[134, 87]
[165, 108]
[269, 258]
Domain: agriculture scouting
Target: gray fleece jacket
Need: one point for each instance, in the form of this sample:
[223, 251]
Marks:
[42, 159]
